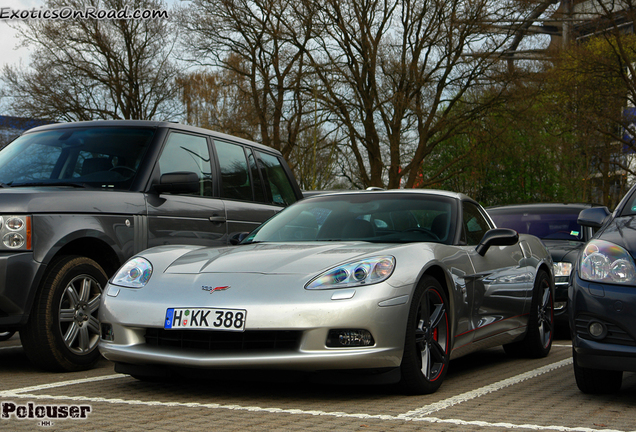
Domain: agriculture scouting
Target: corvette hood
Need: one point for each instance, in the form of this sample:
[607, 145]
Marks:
[275, 258]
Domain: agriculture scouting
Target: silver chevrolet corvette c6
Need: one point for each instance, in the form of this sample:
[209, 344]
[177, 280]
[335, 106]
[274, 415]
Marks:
[394, 283]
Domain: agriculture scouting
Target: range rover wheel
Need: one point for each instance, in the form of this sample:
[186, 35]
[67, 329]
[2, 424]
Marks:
[538, 340]
[63, 329]
[427, 343]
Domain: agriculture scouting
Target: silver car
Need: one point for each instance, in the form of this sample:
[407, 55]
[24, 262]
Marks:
[393, 283]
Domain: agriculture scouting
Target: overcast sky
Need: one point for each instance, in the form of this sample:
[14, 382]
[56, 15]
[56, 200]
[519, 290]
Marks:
[8, 53]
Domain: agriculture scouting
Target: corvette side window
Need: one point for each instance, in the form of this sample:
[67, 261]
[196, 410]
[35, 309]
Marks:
[475, 224]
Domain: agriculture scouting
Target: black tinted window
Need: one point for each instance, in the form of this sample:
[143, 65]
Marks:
[277, 184]
[542, 223]
[101, 157]
[235, 178]
[188, 153]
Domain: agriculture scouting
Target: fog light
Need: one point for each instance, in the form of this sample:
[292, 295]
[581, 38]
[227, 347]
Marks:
[349, 338]
[559, 305]
[107, 332]
[597, 330]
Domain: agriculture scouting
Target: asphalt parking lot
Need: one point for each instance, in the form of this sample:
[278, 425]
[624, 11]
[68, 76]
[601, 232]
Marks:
[487, 391]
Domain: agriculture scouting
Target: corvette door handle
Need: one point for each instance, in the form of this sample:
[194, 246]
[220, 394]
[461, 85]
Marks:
[219, 219]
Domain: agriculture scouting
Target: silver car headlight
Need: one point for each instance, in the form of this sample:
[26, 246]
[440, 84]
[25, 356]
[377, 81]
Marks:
[15, 232]
[134, 274]
[357, 273]
[602, 261]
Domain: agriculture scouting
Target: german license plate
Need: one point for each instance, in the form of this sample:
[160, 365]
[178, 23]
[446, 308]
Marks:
[205, 319]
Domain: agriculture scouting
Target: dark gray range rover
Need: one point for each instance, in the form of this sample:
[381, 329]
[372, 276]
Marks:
[78, 199]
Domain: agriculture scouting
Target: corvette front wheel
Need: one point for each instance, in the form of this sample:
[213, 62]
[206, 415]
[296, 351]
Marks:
[427, 342]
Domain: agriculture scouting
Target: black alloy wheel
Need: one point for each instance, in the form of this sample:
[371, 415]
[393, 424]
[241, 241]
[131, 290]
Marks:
[427, 343]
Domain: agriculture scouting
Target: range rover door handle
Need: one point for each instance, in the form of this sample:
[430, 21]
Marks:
[218, 219]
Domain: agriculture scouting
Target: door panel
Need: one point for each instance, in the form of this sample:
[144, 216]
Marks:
[501, 282]
[501, 287]
[175, 219]
[197, 218]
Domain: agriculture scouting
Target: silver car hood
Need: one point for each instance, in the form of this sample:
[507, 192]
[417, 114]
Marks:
[274, 258]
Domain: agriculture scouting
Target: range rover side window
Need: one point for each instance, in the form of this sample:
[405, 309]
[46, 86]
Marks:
[277, 184]
[235, 177]
[259, 194]
[189, 153]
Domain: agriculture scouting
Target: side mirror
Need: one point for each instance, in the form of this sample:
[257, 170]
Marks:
[497, 237]
[238, 237]
[593, 217]
[179, 182]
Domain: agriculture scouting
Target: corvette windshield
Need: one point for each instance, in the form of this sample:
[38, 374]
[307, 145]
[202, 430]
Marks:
[373, 217]
[104, 157]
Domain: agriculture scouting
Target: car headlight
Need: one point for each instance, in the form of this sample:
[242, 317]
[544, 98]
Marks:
[15, 232]
[602, 261]
[134, 274]
[363, 272]
[562, 269]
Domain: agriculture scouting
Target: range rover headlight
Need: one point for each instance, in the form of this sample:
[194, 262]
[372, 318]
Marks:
[134, 274]
[357, 273]
[606, 262]
[15, 223]
[15, 232]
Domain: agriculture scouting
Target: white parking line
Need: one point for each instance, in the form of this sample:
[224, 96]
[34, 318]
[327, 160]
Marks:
[447, 403]
[419, 415]
[10, 347]
[359, 416]
[59, 384]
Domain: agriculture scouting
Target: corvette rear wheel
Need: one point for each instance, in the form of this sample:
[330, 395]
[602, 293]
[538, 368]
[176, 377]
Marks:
[538, 339]
[63, 329]
[427, 342]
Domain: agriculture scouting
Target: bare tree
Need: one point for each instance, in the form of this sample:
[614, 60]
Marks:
[219, 100]
[398, 76]
[257, 42]
[83, 69]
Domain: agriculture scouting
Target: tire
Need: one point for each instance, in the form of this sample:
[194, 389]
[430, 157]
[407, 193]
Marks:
[63, 329]
[596, 381]
[538, 340]
[427, 340]
[5, 336]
